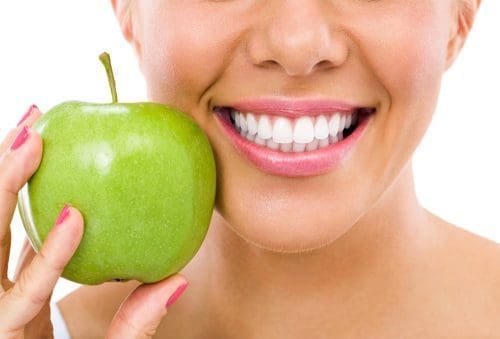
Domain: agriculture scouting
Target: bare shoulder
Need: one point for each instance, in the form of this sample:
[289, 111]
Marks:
[471, 249]
[470, 268]
[94, 305]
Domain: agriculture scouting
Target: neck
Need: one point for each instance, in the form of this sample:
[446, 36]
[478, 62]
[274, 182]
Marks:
[355, 268]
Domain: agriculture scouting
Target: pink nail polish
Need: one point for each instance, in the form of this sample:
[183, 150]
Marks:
[178, 292]
[27, 114]
[63, 215]
[20, 139]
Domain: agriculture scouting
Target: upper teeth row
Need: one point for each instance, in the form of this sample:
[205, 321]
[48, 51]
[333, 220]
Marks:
[300, 130]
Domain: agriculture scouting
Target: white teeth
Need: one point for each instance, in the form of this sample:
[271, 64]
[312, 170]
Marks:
[298, 147]
[236, 118]
[323, 143]
[299, 135]
[259, 141]
[243, 122]
[333, 124]
[265, 129]
[249, 136]
[348, 121]
[321, 130]
[286, 147]
[251, 123]
[342, 122]
[271, 144]
[282, 131]
[303, 131]
[333, 139]
[313, 145]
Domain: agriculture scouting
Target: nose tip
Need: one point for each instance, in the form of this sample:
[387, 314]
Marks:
[298, 44]
[306, 56]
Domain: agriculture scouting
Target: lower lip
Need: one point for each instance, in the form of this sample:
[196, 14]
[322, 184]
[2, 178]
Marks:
[290, 164]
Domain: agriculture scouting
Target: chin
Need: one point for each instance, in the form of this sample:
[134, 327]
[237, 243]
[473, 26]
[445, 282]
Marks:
[288, 237]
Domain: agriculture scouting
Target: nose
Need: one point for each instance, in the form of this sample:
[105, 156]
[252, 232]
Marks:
[298, 37]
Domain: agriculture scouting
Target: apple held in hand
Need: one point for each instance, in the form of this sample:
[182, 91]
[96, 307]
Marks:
[143, 176]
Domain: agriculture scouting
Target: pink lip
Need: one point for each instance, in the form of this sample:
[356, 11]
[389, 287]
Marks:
[291, 108]
[291, 164]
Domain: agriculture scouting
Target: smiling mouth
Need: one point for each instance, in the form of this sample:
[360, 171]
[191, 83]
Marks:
[305, 133]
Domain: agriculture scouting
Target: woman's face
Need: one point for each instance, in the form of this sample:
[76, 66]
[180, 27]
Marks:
[387, 56]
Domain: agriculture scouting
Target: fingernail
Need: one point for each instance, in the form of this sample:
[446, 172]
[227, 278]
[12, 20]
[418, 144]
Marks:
[27, 114]
[63, 215]
[20, 139]
[178, 292]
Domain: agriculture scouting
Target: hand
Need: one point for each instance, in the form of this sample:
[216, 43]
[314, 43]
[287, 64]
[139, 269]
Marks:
[24, 303]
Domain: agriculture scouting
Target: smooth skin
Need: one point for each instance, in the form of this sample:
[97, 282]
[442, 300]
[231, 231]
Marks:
[348, 254]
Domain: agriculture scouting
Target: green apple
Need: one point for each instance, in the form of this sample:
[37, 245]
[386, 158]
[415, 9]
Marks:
[142, 174]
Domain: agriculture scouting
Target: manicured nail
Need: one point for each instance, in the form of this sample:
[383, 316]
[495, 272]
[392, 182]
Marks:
[63, 215]
[27, 114]
[178, 292]
[20, 139]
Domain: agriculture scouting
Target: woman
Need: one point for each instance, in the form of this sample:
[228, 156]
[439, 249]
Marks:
[311, 237]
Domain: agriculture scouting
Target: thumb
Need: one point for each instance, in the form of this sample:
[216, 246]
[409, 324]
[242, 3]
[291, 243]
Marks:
[141, 313]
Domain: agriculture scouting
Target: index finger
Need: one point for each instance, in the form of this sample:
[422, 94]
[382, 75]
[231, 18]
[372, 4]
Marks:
[28, 119]
[16, 167]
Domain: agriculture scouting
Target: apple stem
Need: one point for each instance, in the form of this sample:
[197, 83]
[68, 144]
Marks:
[106, 61]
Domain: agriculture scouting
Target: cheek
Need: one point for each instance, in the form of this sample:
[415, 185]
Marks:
[408, 61]
[410, 69]
[182, 57]
[413, 68]
[407, 52]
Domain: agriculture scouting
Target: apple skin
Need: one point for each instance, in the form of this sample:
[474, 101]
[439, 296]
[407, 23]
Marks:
[142, 174]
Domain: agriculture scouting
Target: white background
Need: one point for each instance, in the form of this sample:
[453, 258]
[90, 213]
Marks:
[48, 54]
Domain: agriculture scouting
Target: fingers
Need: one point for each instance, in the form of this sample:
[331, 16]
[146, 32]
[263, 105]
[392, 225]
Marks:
[24, 300]
[28, 119]
[141, 313]
[20, 156]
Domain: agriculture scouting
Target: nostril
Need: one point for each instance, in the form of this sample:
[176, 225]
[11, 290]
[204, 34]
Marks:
[324, 64]
[269, 64]
[297, 69]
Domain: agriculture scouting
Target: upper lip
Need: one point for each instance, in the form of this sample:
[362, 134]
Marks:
[294, 108]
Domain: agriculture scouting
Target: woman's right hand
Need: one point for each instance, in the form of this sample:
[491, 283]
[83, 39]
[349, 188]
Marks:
[24, 310]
